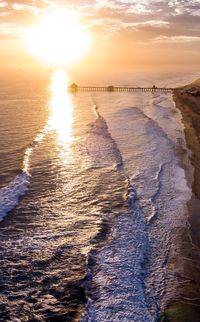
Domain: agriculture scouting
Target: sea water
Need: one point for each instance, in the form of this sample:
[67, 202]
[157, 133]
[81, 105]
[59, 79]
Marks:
[92, 201]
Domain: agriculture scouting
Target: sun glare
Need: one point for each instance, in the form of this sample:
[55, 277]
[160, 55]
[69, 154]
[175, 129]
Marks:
[61, 115]
[61, 108]
[59, 39]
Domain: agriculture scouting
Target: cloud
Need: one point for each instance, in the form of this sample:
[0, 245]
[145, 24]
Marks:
[4, 14]
[152, 23]
[7, 30]
[25, 7]
[175, 39]
[184, 7]
[3, 4]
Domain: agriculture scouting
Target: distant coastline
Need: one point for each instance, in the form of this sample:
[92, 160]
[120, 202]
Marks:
[186, 306]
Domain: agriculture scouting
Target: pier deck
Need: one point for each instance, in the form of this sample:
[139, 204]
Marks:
[76, 88]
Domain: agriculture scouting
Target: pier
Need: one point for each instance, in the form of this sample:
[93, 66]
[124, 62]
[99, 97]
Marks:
[75, 88]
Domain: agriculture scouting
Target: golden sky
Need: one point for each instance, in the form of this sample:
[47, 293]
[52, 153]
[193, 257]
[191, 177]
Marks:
[123, 32]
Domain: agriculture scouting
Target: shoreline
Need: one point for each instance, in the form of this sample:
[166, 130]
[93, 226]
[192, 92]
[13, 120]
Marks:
[186, 306]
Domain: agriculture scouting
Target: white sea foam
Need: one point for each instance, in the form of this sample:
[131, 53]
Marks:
[118, 291]
[10, 195]
[148, 135]
[101, 149]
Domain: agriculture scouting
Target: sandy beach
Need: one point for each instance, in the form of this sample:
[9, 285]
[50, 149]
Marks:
[186, 306]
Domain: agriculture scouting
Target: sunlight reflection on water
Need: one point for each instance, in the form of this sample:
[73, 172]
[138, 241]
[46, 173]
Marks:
[61, 118]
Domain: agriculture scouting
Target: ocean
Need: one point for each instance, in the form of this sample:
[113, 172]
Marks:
[93, 197]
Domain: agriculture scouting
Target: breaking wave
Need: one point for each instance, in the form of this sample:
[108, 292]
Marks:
[101, 148]
[17, 188]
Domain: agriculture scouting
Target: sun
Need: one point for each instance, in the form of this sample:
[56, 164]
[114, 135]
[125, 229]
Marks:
[59, 39]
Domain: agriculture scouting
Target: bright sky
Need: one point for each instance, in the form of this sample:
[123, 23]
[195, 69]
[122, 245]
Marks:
[123, 32]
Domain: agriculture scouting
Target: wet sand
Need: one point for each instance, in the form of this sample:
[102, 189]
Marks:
[186, 306]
